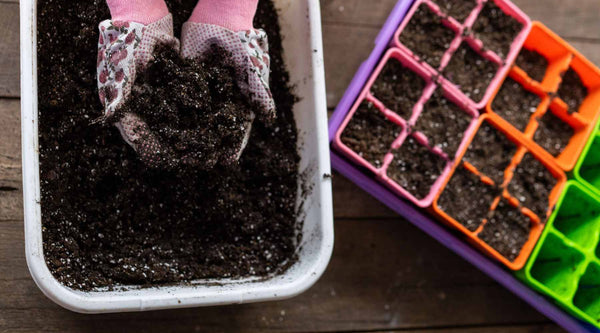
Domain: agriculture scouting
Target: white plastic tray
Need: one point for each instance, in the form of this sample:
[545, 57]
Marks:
[301, 28]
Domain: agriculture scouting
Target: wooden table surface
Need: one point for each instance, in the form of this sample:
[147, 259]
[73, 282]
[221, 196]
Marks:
[385, 275]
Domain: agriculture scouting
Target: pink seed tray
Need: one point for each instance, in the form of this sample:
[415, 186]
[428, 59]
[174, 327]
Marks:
[406, 125]
[463, 34]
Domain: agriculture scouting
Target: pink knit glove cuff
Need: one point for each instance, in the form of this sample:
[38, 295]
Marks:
[140, 11]
[250, 52]
[235, 15]
[123, 49]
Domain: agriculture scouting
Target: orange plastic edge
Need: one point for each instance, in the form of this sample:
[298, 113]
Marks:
[561, 56]
[537, 228]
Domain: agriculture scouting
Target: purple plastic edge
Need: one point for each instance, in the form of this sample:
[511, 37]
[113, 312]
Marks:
[426, 224]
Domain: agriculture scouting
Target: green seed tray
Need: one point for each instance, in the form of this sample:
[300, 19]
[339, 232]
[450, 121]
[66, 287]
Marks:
[565, 264]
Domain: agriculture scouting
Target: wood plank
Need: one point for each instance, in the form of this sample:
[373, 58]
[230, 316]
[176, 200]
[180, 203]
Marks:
[11, 198]
[401, 279]
[568, 18]
[356, 12]
[534, 328]
[9, 49]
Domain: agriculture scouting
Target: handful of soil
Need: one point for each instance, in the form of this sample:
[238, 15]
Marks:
[195, 108]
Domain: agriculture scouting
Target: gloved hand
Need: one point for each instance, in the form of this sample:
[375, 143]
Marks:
[125, 47]
[128, 41]
[228, 24]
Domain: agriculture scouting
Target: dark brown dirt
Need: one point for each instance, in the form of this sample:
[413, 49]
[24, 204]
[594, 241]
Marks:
[459, 9]
[553, 134]
[444, 123]
[572, 90]
[471, 72]
[532, 184]
[533, 63]
[200, 115]
[515, 104]
[108, 220]
[507, 230]
[491, 152]
[467, 199]
[370, 134]
[496, 29]
[416, 168]
[398, 88]
[427, 37]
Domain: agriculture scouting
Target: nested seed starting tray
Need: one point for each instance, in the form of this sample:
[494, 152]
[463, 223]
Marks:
[455, 40]
[566, 264]
[469, 115]
[551, 95]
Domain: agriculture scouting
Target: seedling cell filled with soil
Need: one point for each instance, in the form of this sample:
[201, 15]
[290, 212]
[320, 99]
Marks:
[415, 168]
[370, 134]
[515, 104]
[496, 29]
[444, 123]
[572, 90]
[533, 63]
[427, 36]
[532, 185]
[470, 71]
[458, 9]
[398, 88]
[491, 153]
[467, 199]
[507, 230]
[553, 134]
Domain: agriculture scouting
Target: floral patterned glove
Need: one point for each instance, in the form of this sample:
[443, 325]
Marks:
[228, 24]
[249, 50]
[124, 48]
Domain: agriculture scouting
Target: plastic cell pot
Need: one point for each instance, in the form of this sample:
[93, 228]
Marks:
[565, 264]
[560, 56]
[554, 49]
[587, 170]
[463, 38]
[301, 24]
[406, 125]
[449, 24]
[537, 222]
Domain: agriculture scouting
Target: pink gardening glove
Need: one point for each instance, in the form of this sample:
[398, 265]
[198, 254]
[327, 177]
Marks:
[125, 47]
[228, 24]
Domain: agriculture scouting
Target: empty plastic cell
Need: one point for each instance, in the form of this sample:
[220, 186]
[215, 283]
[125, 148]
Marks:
[557, 267]
[578, 216]
[587, 298]
[589, 167]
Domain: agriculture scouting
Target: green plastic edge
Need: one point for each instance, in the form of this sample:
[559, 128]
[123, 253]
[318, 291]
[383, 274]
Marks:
[583, 157]
[565, 302]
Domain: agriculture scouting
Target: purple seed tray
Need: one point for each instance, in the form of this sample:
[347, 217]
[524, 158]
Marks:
[465, 39]
[366, 180]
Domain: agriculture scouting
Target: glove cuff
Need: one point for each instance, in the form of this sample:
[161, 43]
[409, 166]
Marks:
[140, 11]
[235, 15]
